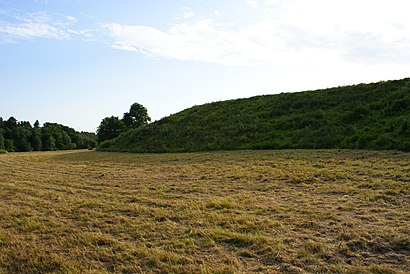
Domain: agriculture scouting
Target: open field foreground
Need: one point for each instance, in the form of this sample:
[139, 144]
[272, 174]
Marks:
[288, 211]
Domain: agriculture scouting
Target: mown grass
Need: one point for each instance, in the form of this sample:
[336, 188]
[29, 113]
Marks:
[290, 211]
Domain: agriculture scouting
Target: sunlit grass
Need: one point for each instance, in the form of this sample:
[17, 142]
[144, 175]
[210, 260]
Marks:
[288, 211]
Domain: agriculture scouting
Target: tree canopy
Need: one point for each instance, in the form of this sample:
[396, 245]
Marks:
[22, 136]
[112, 127]
[136, 117]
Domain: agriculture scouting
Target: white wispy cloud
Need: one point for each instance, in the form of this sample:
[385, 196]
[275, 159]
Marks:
[33, 25]
[201, 41]
[252, 3]
[292, 32]
[85, 34]
[187, 12]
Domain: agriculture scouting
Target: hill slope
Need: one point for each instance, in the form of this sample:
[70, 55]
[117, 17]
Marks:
[365, 116]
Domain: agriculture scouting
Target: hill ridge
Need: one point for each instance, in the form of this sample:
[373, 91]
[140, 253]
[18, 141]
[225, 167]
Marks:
[363, 116]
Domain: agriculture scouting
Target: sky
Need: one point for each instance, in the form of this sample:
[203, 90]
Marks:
[75, 62]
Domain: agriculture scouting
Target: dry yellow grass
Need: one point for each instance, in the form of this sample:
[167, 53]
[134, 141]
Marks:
[222, 212]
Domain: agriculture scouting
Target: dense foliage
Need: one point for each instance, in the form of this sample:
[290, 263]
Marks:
[136, 117]
[22, 136]
[365, 116]
[112, 127]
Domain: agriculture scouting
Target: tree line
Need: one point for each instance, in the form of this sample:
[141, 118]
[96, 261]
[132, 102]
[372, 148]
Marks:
[21, 136]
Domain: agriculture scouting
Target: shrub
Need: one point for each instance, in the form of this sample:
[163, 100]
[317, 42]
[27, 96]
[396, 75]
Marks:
[106, 145]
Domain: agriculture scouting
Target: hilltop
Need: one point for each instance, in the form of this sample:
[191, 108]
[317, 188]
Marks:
[364, 116]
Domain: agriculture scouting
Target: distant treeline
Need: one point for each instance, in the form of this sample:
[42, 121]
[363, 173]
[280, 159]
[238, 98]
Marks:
[366, 116]
[22, 136]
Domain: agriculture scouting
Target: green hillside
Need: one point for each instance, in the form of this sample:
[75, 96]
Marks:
[365, 116]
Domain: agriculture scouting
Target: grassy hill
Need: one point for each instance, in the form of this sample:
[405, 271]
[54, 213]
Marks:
[365, 116]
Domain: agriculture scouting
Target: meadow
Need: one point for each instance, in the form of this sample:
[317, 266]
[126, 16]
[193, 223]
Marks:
[286, 211]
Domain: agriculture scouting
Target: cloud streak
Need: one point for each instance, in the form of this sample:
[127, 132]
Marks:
[198, 41]
[34, 25]
[292, 32]
[289, 32]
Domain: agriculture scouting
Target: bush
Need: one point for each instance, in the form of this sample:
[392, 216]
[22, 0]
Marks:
[106, 145]
[9, 145]
[3, 151]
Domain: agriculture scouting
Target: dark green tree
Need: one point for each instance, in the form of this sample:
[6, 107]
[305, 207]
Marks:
[47, 137]
[62, 140]
[9, 145]
[86, 140]
[10, 123]
[20, 133]
[48, 141]
[136, 117]
[1, 141]
[110, 128]
[8, 130]
[35, 138]
[21, 136]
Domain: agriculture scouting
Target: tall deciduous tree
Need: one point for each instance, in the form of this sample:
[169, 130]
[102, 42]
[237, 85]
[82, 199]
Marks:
[35, 138]
[136, 117]
[9, 145]
[11, 123]
[1, 141]
[110, 128]
[21, 136]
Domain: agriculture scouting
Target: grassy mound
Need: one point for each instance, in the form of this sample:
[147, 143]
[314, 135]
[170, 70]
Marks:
[365, 116]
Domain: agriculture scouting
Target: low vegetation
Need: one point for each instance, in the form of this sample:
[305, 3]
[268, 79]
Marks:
[366, 116]
[288, 211]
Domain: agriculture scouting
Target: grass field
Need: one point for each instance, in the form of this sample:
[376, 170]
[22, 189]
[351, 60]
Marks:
[289, 211]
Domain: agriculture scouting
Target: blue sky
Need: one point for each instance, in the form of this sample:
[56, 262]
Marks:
[77, 61]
